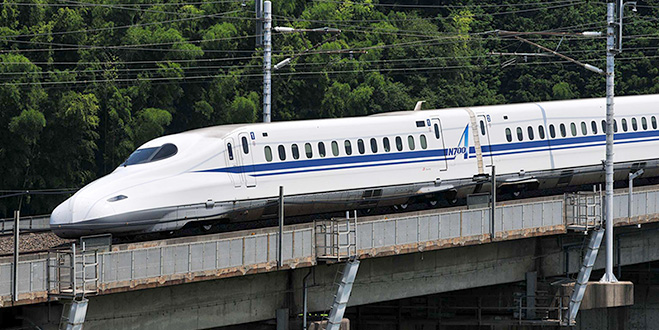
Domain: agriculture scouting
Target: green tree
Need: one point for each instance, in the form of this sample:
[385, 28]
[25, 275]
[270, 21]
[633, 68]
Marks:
[149, 124]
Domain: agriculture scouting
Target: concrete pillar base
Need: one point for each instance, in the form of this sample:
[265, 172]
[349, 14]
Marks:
[320, 325]
[604, 295]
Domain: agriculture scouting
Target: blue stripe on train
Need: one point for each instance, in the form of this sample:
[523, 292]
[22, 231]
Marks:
[331, 161]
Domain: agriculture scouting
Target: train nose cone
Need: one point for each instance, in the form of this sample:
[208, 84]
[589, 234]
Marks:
[78, 215]
[62, 214]
[61, 218]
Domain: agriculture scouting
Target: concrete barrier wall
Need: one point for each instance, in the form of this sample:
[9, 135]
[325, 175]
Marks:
[643, 203]
[31, 277]
[433, 227]
[203, 256]
[29, 223]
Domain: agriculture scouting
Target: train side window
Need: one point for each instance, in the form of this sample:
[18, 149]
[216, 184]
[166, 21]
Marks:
[530, 131]
[573, 129]
[282, 152]
[541, 132]
[624, 124]
[482, 127]
[386, 145]
[399, 143]
[520, 135]
[644, 123]
[603, 126]
[593, 126]
[268, 153]
[230, 151]
[615, 126]
[584, 128]
[295, 151]
[410, 142]
[634, 124]
[245, 145]
[509, 135]
[563, 131]
[348, 147]
[436, 131]
[653, 119]
[321, 149]
[374, 145]
[308, 150]
[360, 146]
[335, 148]
[552, 131]
[424, 142]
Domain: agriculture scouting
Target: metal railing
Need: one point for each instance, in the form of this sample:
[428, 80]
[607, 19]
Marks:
[30, 224]
[73, 272]
[336, 239]
[583, 210]
[552, 312]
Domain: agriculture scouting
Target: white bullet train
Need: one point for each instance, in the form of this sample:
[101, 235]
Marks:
[234, 172]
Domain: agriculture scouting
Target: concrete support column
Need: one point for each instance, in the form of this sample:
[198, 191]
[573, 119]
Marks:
[282, 319]
[531, 286]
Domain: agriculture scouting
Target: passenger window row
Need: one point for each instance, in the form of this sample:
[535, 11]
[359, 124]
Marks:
[347, 147]
[582, 129]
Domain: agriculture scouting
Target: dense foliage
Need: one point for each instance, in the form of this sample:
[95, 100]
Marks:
[84, 84]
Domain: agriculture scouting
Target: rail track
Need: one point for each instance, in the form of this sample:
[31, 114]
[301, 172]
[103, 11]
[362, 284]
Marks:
[41, 241]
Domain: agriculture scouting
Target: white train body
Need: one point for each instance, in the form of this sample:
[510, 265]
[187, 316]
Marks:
[227, 172]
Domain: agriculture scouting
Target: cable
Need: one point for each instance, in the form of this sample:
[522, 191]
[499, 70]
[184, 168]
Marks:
[126, 4]
[128, 46]
[438, 18]
[113, 6]
[444, 6]
[121, 27]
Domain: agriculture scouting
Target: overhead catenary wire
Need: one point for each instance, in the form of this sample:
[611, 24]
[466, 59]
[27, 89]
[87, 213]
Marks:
[445, 6]
[472, 37]
[408, 70]
[193, 68]
[384, 61]
[519, 11]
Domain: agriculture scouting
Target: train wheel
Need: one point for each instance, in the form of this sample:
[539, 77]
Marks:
[518, 191]
[365, 212]
[451, 197]
[432, 202]
[401, 207]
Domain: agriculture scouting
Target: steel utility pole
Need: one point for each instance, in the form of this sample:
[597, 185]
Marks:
[611, 49]
[14, 271]
[267, 59]
[608, 163]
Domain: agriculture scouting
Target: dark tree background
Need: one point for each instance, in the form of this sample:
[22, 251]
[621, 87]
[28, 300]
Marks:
[84, 84]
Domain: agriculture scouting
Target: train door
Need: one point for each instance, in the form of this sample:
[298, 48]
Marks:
[233, 163]
[484, 137]
[439, 138]
[246, 155]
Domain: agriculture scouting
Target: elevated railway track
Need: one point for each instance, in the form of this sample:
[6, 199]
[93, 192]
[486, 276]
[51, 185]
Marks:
[36, 237]
[250, 256]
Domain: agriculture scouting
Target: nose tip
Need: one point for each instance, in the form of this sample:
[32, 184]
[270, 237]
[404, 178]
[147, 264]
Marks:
[61, 214]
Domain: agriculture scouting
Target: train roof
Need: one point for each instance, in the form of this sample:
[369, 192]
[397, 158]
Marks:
[223, 130]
